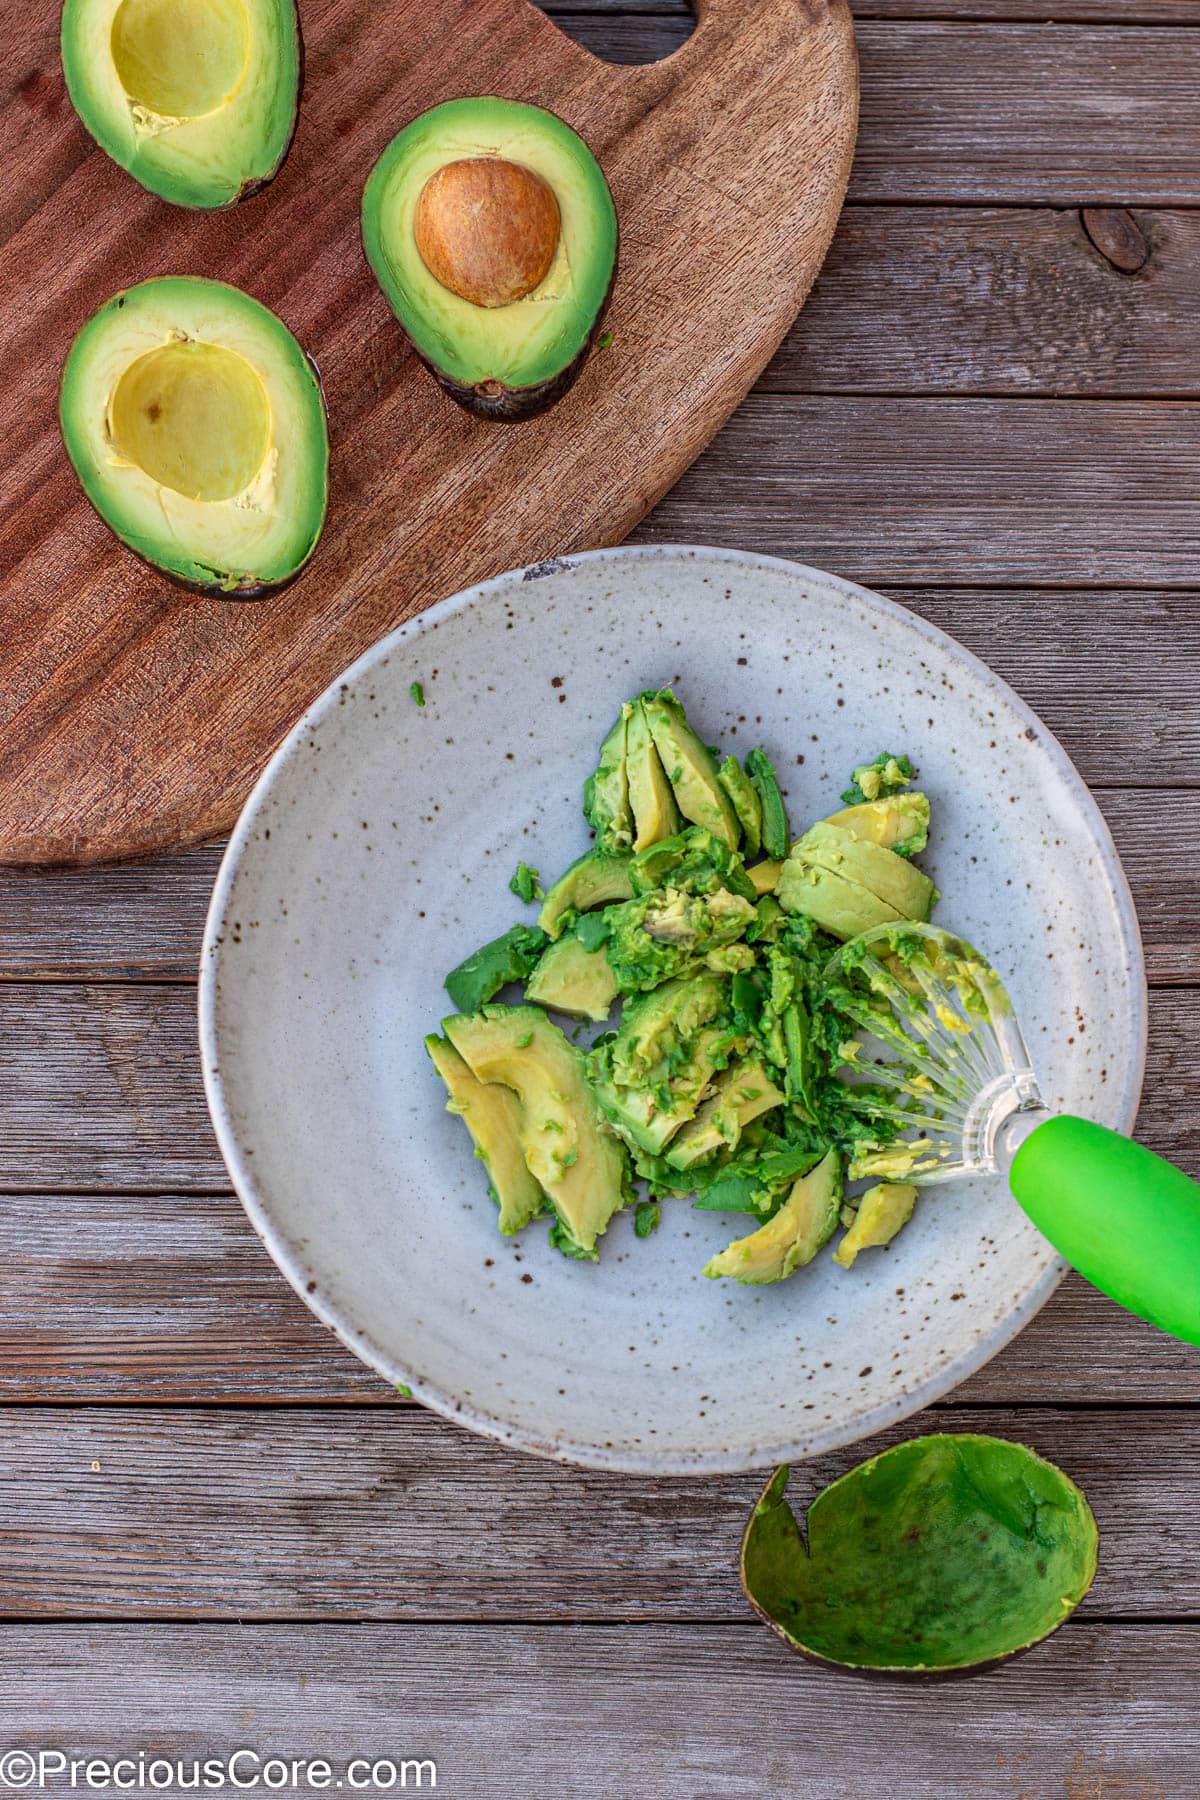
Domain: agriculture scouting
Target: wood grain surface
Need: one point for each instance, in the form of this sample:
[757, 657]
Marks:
[135, 717]
[710, 1712]
[986, 417]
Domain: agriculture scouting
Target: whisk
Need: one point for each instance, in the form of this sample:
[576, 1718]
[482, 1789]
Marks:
[938, 1058]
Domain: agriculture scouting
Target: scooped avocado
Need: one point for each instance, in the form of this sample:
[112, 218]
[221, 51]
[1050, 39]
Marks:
[195, 98]
[196, 426]
[946, 1552]
[606, 793]
[764, 877]
[833, 902]
[491, 230]
[775, 835]
[742, 1093]
[655, 814]
[492, 1115]
[690, 768]
[806, 1220]
[480, 976]
[569, 1149]
[900, 823]
[882, 1212]
[746, 804]
[572, 980]
[890, 877]
[648, 1117]
[594, 879]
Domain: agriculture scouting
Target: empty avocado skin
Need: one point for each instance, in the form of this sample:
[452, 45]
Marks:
[123, 65]
[227, 548]
[507, 363]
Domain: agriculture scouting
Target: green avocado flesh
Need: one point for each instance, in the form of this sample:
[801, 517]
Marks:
[506, 360]
[567, 1146]
[725, 1064]
[945, 1553]
[196, 426]
[195, 98]
[569, 979]
[492, 1115]
[806, 1220]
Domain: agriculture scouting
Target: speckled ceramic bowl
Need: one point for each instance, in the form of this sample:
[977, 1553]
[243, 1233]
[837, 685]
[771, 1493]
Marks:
[375, 853]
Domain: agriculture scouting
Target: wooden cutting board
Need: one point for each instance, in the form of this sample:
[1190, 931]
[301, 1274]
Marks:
[133, 716]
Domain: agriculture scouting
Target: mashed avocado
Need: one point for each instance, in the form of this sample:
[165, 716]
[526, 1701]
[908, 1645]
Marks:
[723, 1076]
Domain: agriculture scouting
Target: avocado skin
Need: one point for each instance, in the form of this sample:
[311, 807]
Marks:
[213, 590]
[254, 184]
[502, 405]
[775, 836]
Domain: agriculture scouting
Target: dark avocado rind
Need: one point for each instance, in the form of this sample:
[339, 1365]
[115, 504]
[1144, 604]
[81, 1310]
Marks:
[507, 363]
[987, 1547]
[225, 548]
[227, 151]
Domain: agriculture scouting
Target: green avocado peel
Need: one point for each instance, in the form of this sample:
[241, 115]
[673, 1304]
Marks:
[942, 1555]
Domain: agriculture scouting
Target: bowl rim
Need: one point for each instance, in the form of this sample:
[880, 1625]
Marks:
[258, 1206]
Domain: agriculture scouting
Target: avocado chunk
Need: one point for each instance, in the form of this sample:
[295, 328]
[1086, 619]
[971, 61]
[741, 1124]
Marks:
[743, 797]
[690, 768]
[806, 1220]
[481, 976]
[775, 836]
[606, 793]
[196, 426]
[669, 933]
[889, 877]
[195, 98]
[492, 232]
[572, 980]
[987, 1548]
[833, 902]
[569, 1149]
[648, 1117]
[655, 814]
[882, 1212]
[594, 879]
[492, 1115]
[900, 823]
[657, 1028]
[885, 775]
[742, 1093]
[765, 877]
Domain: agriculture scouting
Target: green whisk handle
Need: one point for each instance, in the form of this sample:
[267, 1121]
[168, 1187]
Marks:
[1126, 1219]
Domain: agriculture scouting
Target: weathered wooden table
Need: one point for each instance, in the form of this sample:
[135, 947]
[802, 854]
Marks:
[220, 1530]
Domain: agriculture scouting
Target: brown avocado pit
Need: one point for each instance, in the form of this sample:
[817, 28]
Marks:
[487, 229]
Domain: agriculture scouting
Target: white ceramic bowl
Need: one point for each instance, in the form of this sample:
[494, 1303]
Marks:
[375, 853]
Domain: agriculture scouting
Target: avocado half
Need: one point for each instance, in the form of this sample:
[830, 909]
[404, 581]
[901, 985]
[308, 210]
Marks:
[506, 203]
[196, 426]
[197, 99]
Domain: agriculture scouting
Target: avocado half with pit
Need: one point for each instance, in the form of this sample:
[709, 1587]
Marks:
[491, 230]
[197, 99]
[196, 426]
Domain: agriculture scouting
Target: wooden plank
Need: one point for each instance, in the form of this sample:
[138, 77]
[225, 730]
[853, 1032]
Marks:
[669, 1712]
[974, 111]
[364, 1513]
[171, 1297]
[102, 1092]
[139, 921]
[995, 300]
[923, 490]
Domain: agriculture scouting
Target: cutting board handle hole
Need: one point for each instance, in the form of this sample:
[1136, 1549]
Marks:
[635, 38]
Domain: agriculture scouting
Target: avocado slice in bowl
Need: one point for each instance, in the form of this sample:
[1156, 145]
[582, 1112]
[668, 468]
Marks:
[196, 426]
[197, 99]
[492, 232]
